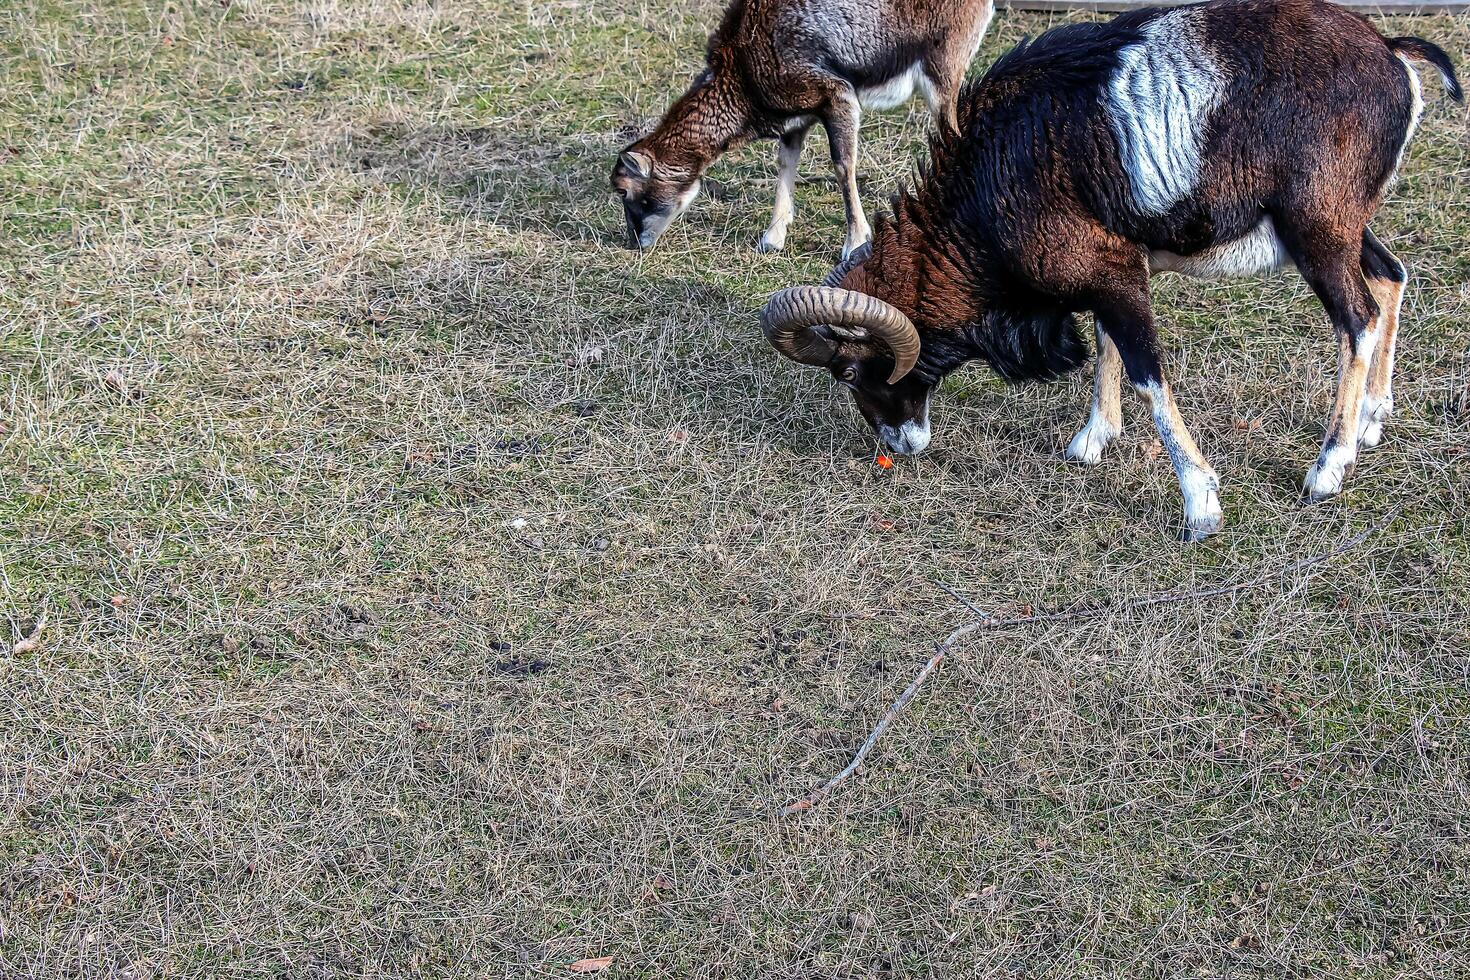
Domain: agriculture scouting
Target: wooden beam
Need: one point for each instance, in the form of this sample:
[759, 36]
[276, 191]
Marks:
[1384, 7]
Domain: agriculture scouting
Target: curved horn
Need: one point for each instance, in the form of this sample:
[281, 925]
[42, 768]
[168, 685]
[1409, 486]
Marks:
[803, 343]
[790, 316]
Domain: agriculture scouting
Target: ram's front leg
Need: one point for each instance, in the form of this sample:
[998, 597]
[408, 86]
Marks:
[1129, 322]
[842, 119]
[1197, 479]
[788, 155]
[1105, 421]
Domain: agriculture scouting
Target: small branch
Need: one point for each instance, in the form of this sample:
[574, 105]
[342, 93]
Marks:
[966, 602]
[816, 796]
[985, 620]
[32, 641]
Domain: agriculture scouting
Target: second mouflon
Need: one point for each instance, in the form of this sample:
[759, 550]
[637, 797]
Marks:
[776, 68]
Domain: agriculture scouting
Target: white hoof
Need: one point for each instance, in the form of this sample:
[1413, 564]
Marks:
[1370, 425]
[773, 240]
[1087, 446]
[1203, 516]
[1327, 475]
[1196, 529]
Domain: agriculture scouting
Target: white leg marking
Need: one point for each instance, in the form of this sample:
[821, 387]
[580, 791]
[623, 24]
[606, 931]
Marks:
[1105, 420]
[1202, 513]
[858, 234]
[1375, 413]
[1378, 394]
[1197, 480]
[787, 157]
[1087, 445]
[1340, 447]
[1328, 474]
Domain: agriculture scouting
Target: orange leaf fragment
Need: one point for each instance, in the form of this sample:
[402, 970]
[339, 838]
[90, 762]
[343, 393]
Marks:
[591, 965]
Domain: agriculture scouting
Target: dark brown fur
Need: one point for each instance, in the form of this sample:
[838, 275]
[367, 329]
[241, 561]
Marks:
[1028, 212]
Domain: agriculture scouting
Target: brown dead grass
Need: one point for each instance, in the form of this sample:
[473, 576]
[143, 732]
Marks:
[391, 634]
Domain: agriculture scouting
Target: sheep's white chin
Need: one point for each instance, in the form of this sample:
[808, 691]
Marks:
[908, 439]
[655, 225]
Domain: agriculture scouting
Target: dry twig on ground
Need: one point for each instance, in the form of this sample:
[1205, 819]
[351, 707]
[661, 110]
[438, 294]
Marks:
[1093, 611]
[32, 640]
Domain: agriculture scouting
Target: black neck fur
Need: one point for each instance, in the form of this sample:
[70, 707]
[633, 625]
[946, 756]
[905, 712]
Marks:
[976, 201]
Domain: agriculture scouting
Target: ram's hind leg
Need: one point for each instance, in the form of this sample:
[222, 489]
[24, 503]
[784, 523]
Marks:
[1385, 276]
[841, 118]
[1105, 421]
[1331, 262]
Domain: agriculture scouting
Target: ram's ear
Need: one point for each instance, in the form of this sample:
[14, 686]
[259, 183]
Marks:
[636, 163]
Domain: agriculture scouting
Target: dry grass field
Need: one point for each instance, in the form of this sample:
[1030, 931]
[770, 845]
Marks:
[433, 588]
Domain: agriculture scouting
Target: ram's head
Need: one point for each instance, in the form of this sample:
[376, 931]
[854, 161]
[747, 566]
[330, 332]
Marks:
[868, 345]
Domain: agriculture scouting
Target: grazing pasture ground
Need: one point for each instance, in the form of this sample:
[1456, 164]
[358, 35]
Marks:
[432, 587]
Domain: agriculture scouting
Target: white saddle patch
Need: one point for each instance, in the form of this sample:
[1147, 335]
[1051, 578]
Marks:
[1158, 104]
[1258, 250]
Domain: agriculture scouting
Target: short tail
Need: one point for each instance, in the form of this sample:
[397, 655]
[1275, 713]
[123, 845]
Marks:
[1421, 50]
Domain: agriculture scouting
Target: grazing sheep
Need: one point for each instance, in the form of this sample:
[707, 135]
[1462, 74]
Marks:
[1227, 138]
[774, 69]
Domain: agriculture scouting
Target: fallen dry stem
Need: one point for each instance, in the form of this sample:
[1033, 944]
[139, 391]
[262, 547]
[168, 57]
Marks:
[817, 795]
[32, 640]
[987, 621]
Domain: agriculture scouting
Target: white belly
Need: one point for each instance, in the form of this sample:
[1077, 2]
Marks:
[1259, 250]
[894, 92]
